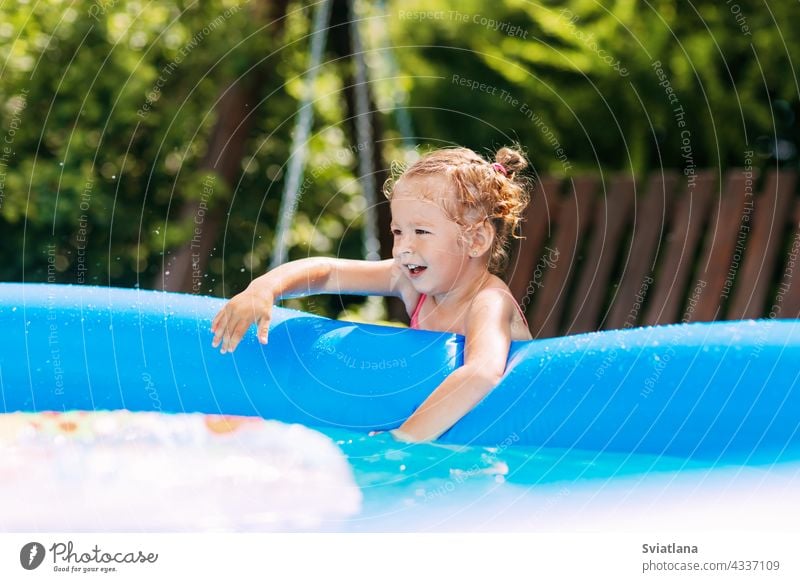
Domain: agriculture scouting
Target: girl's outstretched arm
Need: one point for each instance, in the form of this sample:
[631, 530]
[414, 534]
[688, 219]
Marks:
[488, 339]
[296, 279]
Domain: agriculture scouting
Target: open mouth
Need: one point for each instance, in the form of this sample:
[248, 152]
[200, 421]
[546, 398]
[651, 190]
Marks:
[415, 269]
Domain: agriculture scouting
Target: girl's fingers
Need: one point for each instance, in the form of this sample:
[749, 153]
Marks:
[219, 332]
[229, 327]
[216, 319]
[224, 331]
[263, 330]
[222, 326]
[238, 334]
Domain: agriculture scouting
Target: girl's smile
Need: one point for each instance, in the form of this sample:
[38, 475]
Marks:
[415, 270]
[427, 243]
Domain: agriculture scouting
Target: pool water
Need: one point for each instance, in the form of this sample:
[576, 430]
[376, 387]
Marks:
[435, 487]
[124, 471]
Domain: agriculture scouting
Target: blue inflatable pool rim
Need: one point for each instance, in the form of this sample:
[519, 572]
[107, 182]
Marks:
[723, 391]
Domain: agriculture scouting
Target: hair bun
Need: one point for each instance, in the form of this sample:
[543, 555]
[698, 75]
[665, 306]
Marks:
[512, 160]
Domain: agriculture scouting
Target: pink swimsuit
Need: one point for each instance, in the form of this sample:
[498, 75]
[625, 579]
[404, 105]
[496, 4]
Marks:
[415, 316]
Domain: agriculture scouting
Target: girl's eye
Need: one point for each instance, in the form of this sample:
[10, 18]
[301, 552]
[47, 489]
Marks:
[396, 232]
[420, 231]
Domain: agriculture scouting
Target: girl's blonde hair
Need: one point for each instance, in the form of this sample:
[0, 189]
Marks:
[483, 191]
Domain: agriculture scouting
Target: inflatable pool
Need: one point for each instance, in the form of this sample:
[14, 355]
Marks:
[720, 391]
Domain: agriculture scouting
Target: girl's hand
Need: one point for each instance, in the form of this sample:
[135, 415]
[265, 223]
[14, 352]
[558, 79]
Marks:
[397, 435]
[253, 305]
[403, 437]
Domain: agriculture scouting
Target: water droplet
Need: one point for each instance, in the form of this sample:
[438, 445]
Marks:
[166, 272]
[114, 177]
[61, 164]
[241, 270]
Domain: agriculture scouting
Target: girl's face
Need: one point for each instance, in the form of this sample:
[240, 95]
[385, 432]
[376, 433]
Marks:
[427, 244]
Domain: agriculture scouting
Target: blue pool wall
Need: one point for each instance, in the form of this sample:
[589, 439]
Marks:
[719, 391]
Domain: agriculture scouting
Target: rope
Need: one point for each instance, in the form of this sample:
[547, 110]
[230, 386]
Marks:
[364, 138]
[404, 124]
[300, 137]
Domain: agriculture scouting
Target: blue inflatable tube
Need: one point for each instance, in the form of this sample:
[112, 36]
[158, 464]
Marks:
[722, 391]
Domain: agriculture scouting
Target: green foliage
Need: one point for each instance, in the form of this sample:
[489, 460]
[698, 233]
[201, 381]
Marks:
[581, 73]
[111, 106]
[108, 108]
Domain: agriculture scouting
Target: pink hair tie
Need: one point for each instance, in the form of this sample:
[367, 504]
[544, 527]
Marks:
[500, 168]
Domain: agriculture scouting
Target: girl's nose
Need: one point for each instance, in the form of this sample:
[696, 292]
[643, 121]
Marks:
[402, 246]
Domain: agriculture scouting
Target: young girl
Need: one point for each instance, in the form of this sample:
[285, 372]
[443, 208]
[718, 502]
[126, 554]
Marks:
[452, 214]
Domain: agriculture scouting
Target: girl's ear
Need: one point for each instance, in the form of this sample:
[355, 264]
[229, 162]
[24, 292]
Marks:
[481, 238]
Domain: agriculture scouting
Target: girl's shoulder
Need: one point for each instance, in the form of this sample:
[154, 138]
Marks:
[495, 287]
[493, 292]
[497, 292]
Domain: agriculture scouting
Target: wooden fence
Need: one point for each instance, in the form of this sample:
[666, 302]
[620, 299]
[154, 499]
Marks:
[612, 253]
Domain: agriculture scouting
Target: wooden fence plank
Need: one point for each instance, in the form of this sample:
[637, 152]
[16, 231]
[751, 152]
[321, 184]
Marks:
[787, 299]
[574, 215]
[648, 227]
[685, 235]
[770, 214]
[536, 230]
[611, 217]
[725, 236]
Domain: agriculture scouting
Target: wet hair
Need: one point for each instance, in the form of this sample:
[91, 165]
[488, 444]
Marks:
[482, 190]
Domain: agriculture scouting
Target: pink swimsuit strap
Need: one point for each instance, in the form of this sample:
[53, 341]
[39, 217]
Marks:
[522, 313]
[415, 316]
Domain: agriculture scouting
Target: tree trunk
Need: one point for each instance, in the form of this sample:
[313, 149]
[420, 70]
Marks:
[182, 271]
[341, 47]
